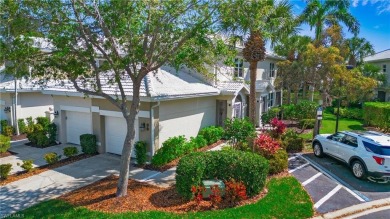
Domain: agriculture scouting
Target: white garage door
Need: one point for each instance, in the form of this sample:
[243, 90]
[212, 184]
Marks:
[77, 123]
[116, 133]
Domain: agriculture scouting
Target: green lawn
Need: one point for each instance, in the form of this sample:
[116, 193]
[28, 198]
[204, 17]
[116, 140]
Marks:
[328, 125]
[285, 199]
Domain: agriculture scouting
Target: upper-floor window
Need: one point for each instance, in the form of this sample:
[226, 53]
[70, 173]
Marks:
[384, 68]
[271, 70]
[238, 68]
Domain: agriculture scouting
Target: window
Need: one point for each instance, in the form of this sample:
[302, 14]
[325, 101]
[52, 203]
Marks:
[270, 99]
[377, 149]
[350, 140]
[238, 68]
[384, 68]
[271, 70]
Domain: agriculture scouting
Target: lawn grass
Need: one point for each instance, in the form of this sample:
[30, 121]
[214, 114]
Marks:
[285, 199]
[328, 125]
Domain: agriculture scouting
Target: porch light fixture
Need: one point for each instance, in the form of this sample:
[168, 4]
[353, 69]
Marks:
[55, 113]
[7, 109]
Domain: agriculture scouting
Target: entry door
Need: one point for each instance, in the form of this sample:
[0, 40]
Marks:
[221, 112]
[77, 123]
[238, 110]
[116, 130]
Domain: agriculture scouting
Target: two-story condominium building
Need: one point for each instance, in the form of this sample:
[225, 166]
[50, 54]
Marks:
[382, 60]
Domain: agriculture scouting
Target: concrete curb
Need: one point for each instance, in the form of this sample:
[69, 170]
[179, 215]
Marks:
[355, 209]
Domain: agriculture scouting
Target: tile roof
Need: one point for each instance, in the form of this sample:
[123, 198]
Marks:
[232, 88]
[384, 55]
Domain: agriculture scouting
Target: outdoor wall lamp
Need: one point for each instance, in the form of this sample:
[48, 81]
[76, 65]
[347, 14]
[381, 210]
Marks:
[7, 109]
[55, 113]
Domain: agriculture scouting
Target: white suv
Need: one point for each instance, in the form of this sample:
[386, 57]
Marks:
[367, 153]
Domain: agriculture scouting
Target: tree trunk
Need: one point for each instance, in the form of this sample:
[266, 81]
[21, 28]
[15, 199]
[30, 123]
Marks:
[288, 95]
[129, 142]
[296, 95]
[252, 95]
[324, 98]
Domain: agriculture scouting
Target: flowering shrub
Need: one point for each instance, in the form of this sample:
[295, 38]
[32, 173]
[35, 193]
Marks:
[278, 127]
[235, 191]
[215, 196]
[197, 193]
[266, 146]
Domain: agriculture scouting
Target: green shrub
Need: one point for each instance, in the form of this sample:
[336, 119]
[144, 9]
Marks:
[212, 134]
[289, 133]
[171, 149]
[30, 125]
[140, 152]
[350, 113]
[199, 141]
[306, 110]
[307, 123]
[238, 131]
[270, 114]
[5, 169]
[44, 122]
[52, 131]
[22, 126]
[3, 124]
[294, 144]
[278, 162]
[27, 165]
[377, 114]
[42, 140]
[8, 130]
[70, 151]
[32, 137]
[88, 143]
[247, 167]
[52, 157]
[5, 143]
[289, 111]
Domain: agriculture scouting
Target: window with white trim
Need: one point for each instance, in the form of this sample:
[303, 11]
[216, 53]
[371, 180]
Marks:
[271, 70]
[384, 68]
[270, 99]
[238, 68]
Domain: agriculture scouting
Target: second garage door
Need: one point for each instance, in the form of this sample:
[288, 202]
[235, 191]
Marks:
[77, 123]
[116, 133]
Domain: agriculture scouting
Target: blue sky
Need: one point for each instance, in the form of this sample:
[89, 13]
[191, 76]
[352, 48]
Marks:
[373, 16]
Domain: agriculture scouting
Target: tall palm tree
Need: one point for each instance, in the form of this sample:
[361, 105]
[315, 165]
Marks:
[262, 21]
[321, 13]
[358, 49]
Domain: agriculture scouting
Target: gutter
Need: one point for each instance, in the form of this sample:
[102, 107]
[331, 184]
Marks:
[152, 126]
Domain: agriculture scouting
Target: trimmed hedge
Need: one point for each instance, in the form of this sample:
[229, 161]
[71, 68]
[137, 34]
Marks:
[294, 144]
[5, 169]
[307, 123]
[248, 167]
[22, 126]
[212, 134]
[377, 114]
[5, 143]
[70, 151]
[52, 157]
[278, 162]
[88, 144]
[171, 149]
[140, 152]
[350, 113]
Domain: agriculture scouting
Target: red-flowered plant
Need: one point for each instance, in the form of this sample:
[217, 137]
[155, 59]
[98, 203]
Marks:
[235, 191]
[197, 192]
[266, 145]
[278, 127]
[215, 196]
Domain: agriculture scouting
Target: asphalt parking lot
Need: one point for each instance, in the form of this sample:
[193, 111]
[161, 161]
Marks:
[331, 184]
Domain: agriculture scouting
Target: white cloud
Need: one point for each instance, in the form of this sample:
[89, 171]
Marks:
[355, 3]
[382, 6]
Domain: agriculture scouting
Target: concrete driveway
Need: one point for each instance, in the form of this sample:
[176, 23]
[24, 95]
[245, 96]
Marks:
[25, 152]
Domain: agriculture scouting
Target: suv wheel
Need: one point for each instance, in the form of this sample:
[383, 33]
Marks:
[317, 149]
[358, 169]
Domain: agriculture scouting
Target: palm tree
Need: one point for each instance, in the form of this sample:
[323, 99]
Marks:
[322, 13]
[358, 49]
[261, 20]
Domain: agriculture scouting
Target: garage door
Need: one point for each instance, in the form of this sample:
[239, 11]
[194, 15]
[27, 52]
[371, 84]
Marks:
[77, 123]
[116, 133]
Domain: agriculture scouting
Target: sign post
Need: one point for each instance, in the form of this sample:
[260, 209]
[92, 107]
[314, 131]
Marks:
[317, 124]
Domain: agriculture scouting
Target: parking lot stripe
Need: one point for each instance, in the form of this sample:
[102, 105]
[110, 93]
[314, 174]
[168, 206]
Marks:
[290, 158]
[300, 167]
[326, 197]
[311, 179]
[346, 186]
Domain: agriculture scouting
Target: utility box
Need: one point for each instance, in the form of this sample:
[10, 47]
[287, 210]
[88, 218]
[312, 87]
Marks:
[209, 183]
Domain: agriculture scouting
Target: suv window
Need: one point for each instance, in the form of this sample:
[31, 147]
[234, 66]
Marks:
[377, 149]
[337, 136]
[350, 140]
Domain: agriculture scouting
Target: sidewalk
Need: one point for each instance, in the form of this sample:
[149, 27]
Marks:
[364, 209]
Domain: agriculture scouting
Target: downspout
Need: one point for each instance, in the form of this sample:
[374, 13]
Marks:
[152, 126]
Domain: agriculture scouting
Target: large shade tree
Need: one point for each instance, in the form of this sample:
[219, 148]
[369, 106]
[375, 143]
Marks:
[255, 22]
[358, 49]
[135, 38]
[320, 14]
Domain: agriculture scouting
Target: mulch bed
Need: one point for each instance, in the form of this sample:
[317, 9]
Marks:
[7, 153]
[24, 174]
[176, 161]
[100, 196]
[18, 137]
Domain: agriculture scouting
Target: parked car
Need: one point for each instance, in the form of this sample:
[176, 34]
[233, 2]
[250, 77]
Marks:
[367, 153]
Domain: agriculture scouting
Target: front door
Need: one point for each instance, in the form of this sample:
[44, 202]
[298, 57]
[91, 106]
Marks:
[237, 110]
[221, 112]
